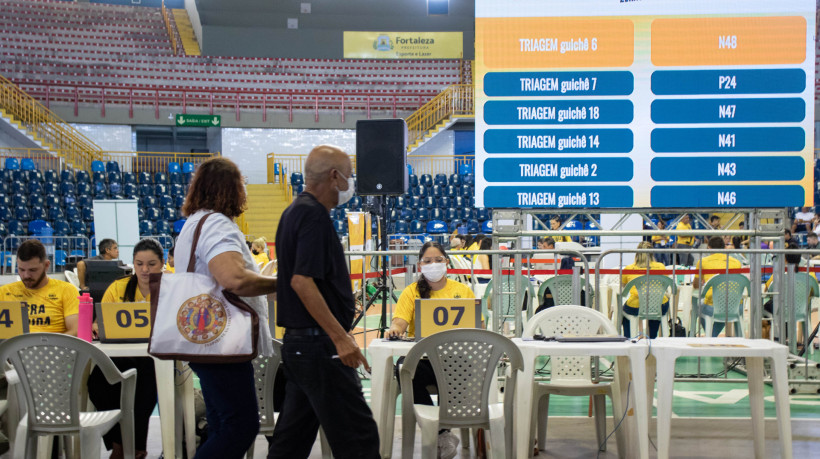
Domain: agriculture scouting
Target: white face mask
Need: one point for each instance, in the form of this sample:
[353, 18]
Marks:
[345, 195]
[434, 271]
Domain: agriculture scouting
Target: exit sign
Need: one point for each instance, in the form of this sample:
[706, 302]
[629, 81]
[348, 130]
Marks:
[199, 120]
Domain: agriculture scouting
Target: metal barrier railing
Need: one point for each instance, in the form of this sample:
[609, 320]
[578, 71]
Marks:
[129, 161]
[58, 249]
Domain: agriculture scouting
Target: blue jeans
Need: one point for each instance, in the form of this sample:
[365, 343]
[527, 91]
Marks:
[654, 325]
[322, 390]
[230, 403]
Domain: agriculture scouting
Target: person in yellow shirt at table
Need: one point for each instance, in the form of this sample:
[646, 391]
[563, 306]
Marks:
[259, 251]
[555, 223]
[684, 242]
[432, 283]
[134, 288]
[714, 261]
[169, 264]
[631, 307]
[53, 305]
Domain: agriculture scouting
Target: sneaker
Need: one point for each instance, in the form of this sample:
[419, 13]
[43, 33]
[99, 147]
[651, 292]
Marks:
[447, 445]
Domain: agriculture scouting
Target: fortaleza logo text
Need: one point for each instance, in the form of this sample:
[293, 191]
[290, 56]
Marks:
[415, 41]
[385, 43]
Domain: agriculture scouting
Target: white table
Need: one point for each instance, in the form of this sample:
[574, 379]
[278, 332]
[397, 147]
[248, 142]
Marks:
[382, 353]
[635, 352]
[167, 392]
[667, 350]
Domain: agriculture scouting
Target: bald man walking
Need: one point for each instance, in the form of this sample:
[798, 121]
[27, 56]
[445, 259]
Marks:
[315, 305]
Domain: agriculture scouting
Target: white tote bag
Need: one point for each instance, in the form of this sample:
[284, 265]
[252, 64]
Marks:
[195, 320]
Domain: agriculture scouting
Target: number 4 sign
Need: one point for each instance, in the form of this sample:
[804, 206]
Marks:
[13, 319]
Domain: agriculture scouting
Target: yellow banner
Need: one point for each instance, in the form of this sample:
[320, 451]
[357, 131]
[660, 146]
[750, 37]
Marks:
[358, 231]
[403, 45]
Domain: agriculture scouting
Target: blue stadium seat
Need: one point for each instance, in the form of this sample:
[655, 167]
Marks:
[436, 214]
[436, 227]
[36, 227]
[186, 177]
[88, 214]
[451, 214]
[414, 190]
[176, 189]
[148, 201]
[38, 213]
[146, 189]
[97, 166]
[78, 228]
[130, 191]
[5, 188]
[333, 214]
[36, 199]
[341, 213]
[82, 177]
[296, 178]
[487, 227]
[115, 189]
[52, 200]
[3, 230]
[179, 200]
[453, 225]
[160, 177]
[406, 214]
[429, 202]
[54, 213]
[34, 176]
[416, 227]
[97, 177]
[592, 240]
[179, 224]
[51, 188]
[146, 228]
[27, 164]
[61, 228]
[72, 213]
[8, 175]
[402, 226]
[5, 200]
[19, 176]
[423, 192]
[445, 202]
[60, 258]
[145, 177]
[469, 179]
[170, 214]
[129, 177]
[465, 168]
[473, 227]
[67, 188]
[355, 203]
[426, 180]
[340, 226]
[17, 228]
[165, 201]
[466, 191]
[176, 177]
[34, 187]
[455, 180]
[400, 202]
[112, 166]
[100, 191]
[423, 214]
[459, 202]
[393, 215]
[160, 189]
[413, 180]
[437, 191]
[84, 200]
[113, 176]
[161, 227]
[187, 168]
[482, 214]
[441, 180]
[414, 203]
[466, 213]
[18, 200]
[173, 166]
[12, 164]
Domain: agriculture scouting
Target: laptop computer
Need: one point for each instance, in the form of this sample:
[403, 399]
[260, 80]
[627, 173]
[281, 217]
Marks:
[435, 315]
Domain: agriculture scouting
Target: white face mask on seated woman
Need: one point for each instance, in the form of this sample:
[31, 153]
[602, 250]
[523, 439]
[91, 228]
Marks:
[433, 272]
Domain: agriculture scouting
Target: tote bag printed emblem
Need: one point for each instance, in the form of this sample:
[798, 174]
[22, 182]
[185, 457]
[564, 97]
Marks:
[202, 319]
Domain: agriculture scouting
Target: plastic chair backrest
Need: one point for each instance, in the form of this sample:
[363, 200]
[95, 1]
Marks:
[569, 320]
[50, 367]
[727, 295]
[560, 287]
[173, 166]
[509, 286]
[465, 362]
[651, 290]
[264, 375]
[97, 166]
[27, 164]
[803, 293]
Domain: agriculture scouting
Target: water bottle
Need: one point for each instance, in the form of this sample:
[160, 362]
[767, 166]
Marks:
[85, 317]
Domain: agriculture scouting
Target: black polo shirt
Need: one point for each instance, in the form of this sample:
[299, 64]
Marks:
[307, 244]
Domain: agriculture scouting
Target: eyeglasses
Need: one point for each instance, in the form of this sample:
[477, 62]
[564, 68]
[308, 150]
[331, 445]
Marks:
[427, 261]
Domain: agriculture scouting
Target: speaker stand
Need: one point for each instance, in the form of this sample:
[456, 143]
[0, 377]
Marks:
[382, 290]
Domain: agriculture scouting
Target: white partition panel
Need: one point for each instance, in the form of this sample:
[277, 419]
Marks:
[117, 219]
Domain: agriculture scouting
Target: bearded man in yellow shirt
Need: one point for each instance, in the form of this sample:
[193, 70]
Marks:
[52, 304]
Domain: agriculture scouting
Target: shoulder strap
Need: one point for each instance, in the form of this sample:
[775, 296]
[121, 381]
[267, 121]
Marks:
[192, 256]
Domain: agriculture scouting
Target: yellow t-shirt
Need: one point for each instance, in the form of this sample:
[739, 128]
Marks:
[47, 306]
[688, 240]
[168, 268]
[261, 258]
[715, 261]
[771, 278]
[406, 307]
[115, 293]
[633, 300]
[562, 238]
[660, 240]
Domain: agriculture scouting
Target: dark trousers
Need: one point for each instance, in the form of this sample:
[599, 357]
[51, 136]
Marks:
[322, 390]
[107, 397]
[422, 379]
[654, 325]
[232, 412]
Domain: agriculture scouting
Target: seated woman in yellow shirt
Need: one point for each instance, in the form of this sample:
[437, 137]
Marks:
[134, 288]
[432, 283]
[642, 260]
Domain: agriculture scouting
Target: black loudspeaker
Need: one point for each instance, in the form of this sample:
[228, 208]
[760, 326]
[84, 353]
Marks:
[381, 157]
